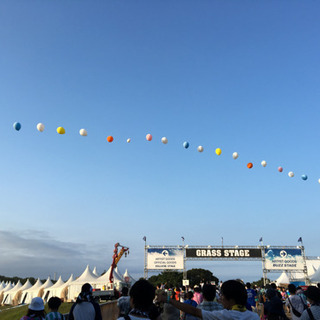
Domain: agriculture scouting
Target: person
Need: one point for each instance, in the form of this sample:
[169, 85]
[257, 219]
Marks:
[251, 294]
[142, 295]
[123, 303]
[209, 293]
[313, 296]
[273, 307]
[197, 295]
[190, 301]
[294, 303]
[35, 310]
[233, 299]
[85, 308]
[54, 304]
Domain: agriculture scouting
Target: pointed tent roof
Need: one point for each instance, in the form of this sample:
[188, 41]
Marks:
[16, 287]
[105, 277]
[8, 287]
[119, 274]
[59, 283]
[47, 284]
[316, 276]
[95, 271]
[87, 276]
[36, 286]
[283, 278]
[2, 285]
[71, 279]
[26, 286]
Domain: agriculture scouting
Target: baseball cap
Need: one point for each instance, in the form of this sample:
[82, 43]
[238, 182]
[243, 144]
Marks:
[36, 304]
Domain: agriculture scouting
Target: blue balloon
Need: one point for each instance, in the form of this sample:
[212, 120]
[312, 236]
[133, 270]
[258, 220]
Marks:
[304, 177]
[17, 126]
[186, 145]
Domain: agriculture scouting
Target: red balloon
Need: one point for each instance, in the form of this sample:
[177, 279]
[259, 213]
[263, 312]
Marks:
[249, 165]
[280, 169]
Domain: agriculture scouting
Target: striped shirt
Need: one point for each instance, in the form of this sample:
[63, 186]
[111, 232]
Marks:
[54, 316]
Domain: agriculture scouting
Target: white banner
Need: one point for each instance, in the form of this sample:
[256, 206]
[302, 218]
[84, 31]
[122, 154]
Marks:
[165, 258]
[283, 259]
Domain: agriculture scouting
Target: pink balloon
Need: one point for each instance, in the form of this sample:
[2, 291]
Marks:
[149, 137]
[280, 169]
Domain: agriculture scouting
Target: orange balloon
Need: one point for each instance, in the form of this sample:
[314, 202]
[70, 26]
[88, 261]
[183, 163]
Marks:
[249, 165]
[110, 138]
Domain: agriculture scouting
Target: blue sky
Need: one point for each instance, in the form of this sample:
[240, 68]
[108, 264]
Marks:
[239, 75]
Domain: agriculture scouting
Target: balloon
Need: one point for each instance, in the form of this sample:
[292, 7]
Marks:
[319, 180]
[61, 130]
[40, 127]
[186, 145]
[264, 163]
[110, 138]
[280, 169]
[235, 155]
[218, 151]
[249, 165]
[164, 140]
[17, 126]
[83, 132]
[291, 174]
[304, 177]
[200, 148]
[128, 140]
[149, 137]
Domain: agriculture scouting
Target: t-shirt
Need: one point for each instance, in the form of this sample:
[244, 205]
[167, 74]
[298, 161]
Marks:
[251, 297]
[124, 305]
[54, 316]
[210, 306]
[85, 311]
[229, 315]
[297, 303]
[315, 312]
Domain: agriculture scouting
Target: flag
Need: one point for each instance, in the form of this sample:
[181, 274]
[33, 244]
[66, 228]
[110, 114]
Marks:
[144, 238]
[182, 238]
[300, 239]
[260, 239]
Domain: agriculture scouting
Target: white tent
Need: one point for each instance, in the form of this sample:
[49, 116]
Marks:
[10, 294]
[284, 279]
[25, 287]
[118, 273]
[32, 292]
[103, 282]
[75, 286]
[95, 271]
[315, 278]
[7, 287]
[51, 291]
[2, 286]
[127, 278]
[47, 285]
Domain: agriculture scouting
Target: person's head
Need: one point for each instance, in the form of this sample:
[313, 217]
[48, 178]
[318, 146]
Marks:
[36, 307]
[54, 303]
[318, 285]
[196, 288]
[248, 285]
[313, 295]
[233, 292]
[124, 291]
[189, 295]
[209, 292]
[271, 293]
[86, 288]
[142, 295]
[273, 286]
[292, 288]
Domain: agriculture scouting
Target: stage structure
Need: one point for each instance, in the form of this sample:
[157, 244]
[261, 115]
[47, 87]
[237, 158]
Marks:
[273, 258]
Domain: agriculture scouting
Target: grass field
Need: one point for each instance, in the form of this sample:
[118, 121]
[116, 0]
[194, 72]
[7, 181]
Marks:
[16, 313]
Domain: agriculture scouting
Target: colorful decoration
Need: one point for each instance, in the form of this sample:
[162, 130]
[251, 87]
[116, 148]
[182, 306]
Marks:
[40, 127]
[218, 151]
[186, 145]
[249, 165]
[61, 130]
[280, 169]
[128, 140]
[200, 148]
[264, 163]
[83, 132]
[291, 174]
[17, 126]
[110, 138]
[304, 177]
[149, 137]
[164, 140]
[235, 155]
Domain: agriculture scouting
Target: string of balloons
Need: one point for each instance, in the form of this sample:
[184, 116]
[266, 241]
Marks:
[164, 140]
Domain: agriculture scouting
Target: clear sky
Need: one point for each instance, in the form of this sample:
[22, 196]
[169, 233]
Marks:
[239, 75]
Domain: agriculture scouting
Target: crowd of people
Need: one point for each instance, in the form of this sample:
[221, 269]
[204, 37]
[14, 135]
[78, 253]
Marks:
[231, 299]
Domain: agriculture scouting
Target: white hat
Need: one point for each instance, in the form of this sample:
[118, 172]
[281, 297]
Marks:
[36, 304]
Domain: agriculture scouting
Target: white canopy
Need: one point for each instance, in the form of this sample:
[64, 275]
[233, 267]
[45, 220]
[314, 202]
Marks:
[283, 279]
[95, 271]
[51, 291]
[32, 292]
[315, 277]
[10, 294]
[127, 277]
[2, 286]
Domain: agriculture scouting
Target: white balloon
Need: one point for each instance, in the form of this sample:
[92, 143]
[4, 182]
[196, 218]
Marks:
[319, 180]
[200, 148]
[235, 155]
[264, 163]
[291, 174]
[164, 140]
[83, 132]
[128, 140]
[40, 127]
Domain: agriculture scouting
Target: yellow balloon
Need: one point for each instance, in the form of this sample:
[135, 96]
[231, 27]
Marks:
[61, 130]
[218, 151]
